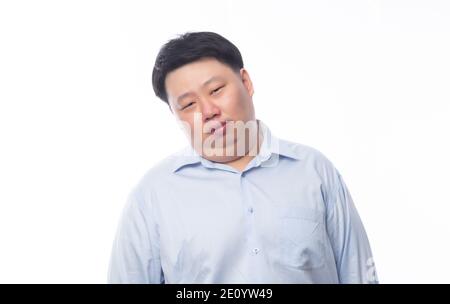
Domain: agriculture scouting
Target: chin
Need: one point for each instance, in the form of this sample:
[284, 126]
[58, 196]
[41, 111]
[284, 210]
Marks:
[220, 159]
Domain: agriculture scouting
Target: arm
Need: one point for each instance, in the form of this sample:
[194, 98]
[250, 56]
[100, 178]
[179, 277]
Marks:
[135, 256]
[348, 238]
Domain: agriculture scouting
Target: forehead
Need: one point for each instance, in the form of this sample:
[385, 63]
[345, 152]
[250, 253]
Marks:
[192, 75]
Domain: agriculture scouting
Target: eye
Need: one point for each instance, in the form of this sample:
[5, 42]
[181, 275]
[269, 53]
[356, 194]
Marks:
[216, 90]
[188, 105]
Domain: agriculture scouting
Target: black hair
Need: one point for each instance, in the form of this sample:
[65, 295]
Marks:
[190, 47]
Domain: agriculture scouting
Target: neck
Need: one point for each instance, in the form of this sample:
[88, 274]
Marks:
[241, 163]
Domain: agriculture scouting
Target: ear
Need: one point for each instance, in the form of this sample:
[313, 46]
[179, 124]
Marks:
[245, 76]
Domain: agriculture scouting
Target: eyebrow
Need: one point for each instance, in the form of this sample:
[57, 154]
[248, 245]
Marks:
[214, 78]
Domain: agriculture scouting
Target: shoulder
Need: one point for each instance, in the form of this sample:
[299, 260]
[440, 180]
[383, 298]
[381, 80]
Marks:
[312, 160]
[306, 153]
[157, 176]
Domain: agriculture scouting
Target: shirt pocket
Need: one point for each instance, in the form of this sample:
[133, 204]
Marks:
[301, 241]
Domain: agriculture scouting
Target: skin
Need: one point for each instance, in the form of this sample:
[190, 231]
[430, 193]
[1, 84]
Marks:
[198, 103]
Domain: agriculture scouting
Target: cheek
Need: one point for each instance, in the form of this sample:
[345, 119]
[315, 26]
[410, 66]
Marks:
[186, 123]
[240, 104]
[234, 102]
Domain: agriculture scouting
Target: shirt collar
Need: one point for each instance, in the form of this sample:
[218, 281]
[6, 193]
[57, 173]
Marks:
[270, 151]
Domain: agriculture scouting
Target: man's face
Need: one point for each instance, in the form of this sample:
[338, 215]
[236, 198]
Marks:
[205, 93]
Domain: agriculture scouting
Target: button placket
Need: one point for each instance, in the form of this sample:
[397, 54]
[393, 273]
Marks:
[253, 244]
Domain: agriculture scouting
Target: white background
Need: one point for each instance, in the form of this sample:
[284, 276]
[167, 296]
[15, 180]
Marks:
[365, 82]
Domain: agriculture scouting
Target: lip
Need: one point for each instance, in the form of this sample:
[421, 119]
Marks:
[221, 130]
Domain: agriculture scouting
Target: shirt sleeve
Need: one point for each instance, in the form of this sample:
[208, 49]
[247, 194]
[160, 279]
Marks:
[135, 255]
[352, 253]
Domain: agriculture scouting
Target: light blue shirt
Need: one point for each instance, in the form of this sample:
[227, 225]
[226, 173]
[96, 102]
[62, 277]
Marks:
[288, 217]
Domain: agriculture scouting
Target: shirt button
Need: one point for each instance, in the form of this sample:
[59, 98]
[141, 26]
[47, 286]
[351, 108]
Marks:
[255, 250]
[250, 209]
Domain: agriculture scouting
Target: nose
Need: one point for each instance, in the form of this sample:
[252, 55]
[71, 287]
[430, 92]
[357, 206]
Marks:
[209, 111]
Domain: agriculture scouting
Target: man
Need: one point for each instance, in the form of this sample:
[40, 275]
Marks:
[238, 205]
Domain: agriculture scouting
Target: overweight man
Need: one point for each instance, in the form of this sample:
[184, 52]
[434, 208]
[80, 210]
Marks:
[238, 204]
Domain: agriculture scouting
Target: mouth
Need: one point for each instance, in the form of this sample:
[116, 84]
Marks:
[220, 129]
